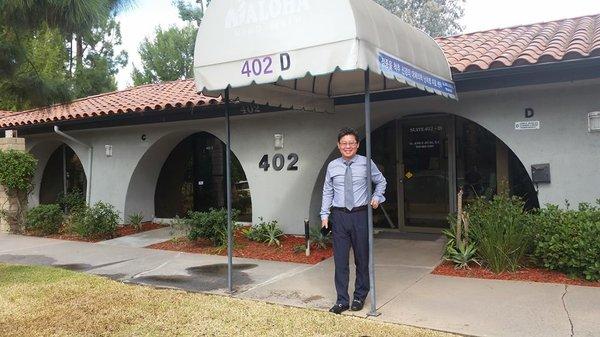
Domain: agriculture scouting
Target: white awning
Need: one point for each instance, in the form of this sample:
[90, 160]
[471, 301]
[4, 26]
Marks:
[303, 53]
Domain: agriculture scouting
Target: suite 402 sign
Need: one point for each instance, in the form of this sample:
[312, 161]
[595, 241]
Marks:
[279, 162]
[265, 65]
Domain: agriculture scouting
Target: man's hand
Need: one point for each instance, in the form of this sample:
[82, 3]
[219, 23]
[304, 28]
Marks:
[374, 203]
[325, 223]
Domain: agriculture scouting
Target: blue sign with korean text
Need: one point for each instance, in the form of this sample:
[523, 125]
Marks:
[390, 64]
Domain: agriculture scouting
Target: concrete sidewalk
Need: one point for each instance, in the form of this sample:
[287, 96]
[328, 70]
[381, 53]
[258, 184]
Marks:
[406, 291]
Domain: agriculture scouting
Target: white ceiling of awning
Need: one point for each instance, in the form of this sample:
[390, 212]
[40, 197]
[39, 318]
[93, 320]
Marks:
[303, 53]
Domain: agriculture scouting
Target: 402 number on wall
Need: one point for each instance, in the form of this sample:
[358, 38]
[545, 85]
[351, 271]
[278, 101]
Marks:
[278, 162]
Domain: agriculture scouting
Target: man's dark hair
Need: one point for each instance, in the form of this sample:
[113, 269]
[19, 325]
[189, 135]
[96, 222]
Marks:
[348, 131]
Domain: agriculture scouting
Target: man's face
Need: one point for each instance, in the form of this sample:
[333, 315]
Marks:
[348, 146]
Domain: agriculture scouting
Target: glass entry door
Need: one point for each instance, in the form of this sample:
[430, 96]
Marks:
[423, 173]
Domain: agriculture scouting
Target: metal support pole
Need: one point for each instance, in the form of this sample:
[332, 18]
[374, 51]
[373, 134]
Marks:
[373, 311]
[229, 227]
[64, 158]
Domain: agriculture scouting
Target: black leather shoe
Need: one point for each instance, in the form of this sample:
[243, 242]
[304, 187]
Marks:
[357, 304]
[339, 308]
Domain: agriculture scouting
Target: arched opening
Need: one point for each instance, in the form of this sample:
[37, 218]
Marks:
[427, 158]
[193, 179]
[63, 174]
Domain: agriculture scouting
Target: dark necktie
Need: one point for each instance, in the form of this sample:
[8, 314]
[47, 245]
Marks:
[348, 190]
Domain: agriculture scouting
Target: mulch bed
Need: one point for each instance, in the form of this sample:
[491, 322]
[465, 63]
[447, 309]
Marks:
[146, 226]
[252, 249]
[529, 274]
[121, 231]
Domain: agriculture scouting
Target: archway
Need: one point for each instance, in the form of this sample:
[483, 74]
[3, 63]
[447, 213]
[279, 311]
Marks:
[426, 159]
[63, 174]
[192, 178]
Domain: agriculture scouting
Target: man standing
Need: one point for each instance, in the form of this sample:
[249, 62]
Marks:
[345, 189]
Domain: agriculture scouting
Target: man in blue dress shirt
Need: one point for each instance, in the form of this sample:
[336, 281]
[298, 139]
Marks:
[345, 203]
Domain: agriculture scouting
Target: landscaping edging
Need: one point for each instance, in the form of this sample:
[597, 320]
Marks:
[121, 231]
[527, 274]
[250, 249]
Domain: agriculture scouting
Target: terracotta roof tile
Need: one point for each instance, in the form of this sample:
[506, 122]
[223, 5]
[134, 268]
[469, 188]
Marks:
[162, 96]
[499, 48]
[536, 43]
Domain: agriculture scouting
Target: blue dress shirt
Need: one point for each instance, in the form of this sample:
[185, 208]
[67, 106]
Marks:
[333, 188]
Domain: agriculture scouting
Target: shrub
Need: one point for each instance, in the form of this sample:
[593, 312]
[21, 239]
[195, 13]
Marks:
[299, 248]
[178, 226]
[272, 233]
[253, 233]
[98, 221]
[135, 220]
[500, 230]
[16, 173]
[211, 225]
[450, 234]
[461, 255]
[242, 201]
[71, 220]
[16, 169]
[44, 219]
[462, 252]
[567, 240]
[318, 239]
[71, 202]
[268, 232]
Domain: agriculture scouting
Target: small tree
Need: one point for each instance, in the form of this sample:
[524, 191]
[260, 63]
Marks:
[435, 17]
[16, 173]
[169, 55]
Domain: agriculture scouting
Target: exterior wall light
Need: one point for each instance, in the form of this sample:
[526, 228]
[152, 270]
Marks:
[594, 121]
[278, 140]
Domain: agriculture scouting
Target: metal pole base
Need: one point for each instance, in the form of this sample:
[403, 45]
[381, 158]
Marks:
[373, 314]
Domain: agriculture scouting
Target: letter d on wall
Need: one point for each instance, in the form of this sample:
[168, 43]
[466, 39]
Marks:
[529, 113]
[284, 59]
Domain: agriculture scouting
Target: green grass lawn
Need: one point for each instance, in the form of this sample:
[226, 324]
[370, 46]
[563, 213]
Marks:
[42, 301]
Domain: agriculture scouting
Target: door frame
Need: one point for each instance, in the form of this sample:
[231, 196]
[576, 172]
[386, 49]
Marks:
[449, 121]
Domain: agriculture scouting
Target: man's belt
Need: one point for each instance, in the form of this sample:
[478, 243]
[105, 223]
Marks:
[345, 210]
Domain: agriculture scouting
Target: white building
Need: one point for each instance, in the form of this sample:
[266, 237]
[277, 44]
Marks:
[527, 102]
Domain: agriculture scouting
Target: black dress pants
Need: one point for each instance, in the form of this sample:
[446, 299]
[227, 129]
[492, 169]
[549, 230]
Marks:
[350, 229]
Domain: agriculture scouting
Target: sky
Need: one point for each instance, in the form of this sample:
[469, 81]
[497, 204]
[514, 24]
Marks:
[140, 20]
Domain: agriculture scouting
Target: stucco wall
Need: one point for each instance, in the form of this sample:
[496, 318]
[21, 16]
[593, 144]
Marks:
[128, 178]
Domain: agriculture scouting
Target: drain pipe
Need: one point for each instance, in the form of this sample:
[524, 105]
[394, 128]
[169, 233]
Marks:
[88, 192]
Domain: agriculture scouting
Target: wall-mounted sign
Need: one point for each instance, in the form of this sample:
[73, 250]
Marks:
[428, 128]
[279, 162]
[527, 125]
[265, 65]
[425, 144]
[250, 108]
[424, 137]
[394, 66]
